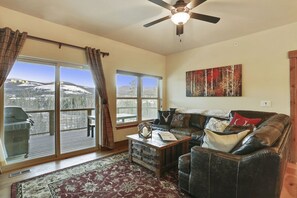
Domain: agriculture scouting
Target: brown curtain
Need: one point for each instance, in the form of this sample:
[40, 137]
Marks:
[94, 60]
[11, 44]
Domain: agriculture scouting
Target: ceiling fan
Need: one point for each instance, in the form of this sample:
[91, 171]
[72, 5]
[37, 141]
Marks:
[181, 13]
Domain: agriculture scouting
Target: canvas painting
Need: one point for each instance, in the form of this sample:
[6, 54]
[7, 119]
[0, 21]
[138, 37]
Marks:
[219, 81]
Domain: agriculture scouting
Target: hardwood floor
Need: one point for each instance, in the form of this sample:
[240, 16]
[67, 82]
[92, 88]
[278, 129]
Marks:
[289, 185]
[289, 189]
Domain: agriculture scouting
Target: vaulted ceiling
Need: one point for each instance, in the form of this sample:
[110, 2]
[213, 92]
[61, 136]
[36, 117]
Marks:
[123, 20]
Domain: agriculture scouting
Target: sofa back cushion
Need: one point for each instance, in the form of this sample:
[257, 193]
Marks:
[197, 121]
[264, 136]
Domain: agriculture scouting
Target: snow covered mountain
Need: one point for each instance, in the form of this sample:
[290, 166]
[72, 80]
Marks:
[38, 88]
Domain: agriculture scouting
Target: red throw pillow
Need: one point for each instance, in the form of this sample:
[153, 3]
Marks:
[242, 121]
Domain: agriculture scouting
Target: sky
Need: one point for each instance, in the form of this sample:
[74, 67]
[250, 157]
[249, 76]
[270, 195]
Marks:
[46, 74]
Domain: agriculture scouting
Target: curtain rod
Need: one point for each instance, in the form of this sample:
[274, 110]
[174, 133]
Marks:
[61, 43]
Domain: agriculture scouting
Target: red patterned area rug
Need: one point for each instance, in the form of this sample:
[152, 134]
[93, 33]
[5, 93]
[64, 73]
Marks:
[109, 177]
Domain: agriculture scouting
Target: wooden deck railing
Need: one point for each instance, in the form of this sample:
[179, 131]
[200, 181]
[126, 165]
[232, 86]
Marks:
[52, 117]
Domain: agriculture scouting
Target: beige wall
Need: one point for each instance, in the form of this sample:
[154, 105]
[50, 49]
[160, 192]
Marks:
[265, 72]
[122, 56]
[263, 56]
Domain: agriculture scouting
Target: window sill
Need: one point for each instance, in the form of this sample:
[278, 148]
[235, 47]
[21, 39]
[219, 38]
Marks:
[131, 125]
[127, 126]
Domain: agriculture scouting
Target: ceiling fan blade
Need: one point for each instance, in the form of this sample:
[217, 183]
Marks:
[156, 21]
[162, 4]
[179, 29]
[194, 3]
[206, 18]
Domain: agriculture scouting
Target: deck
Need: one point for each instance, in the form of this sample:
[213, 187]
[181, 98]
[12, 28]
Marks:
[44, 145]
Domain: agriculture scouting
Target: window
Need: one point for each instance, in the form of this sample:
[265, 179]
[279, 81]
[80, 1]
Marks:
[138, 97]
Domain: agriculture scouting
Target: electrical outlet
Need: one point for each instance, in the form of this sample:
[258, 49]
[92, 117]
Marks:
[265, 103]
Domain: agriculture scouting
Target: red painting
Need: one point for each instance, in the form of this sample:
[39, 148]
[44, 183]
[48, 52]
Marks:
[219, 81]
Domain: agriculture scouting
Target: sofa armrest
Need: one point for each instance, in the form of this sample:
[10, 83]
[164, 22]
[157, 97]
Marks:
[184, 163]
[214, 173]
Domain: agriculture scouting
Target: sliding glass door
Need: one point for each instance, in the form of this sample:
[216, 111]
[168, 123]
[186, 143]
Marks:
[49, 110]
[77, 109]
[29, 112]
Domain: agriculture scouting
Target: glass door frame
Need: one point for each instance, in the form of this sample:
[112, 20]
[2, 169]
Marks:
[57, 155]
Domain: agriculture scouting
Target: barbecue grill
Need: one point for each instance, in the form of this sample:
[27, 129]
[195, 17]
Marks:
[17, 131]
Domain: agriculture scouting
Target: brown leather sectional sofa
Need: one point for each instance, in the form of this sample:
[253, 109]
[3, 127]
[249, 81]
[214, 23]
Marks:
[255, 169]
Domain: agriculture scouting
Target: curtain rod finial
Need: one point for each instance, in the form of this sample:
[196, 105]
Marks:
[105, 54]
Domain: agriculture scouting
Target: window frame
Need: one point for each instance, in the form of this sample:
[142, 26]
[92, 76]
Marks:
[139, 97]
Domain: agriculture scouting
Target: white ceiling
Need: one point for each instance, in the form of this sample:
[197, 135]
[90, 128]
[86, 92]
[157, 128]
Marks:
[123, 20]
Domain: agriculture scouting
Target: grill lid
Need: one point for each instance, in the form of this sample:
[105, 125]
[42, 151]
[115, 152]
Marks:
[14, 114]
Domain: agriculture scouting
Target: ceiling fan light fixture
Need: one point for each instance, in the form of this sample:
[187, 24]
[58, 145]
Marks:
[180, 18]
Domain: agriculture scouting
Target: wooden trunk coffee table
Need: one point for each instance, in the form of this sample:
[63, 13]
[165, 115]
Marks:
[155, 154]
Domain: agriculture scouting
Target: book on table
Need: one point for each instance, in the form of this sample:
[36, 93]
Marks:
[166, 136]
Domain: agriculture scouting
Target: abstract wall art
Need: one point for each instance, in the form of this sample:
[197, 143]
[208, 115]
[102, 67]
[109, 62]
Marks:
[218, 81]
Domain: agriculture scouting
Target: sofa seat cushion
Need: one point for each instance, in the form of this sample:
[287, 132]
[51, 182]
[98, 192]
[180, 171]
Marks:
[184, 131]
[184, 163]
[221, 141]
[161, 127]
[197, 138]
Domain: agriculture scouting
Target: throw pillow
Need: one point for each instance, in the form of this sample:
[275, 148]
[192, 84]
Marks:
[217, 125]
[177, 120]
[165, 117]
[222, 142]
[180, 120]
[242, 121]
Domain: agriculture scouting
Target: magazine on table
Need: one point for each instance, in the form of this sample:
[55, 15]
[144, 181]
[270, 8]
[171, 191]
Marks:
[166, 136]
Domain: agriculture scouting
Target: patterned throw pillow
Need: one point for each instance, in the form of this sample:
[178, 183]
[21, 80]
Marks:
[180, 120]
[217, 125]
[221, 141]
[177, 120]
[165, 117]
[242, 121]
